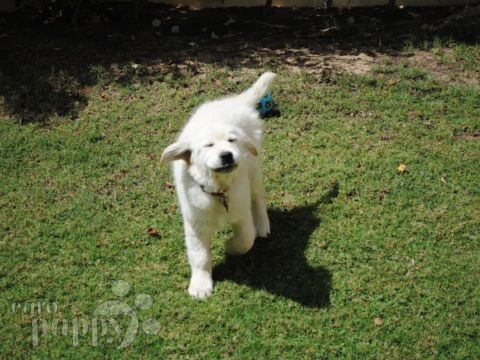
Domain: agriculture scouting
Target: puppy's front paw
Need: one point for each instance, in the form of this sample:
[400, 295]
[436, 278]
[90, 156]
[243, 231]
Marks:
[238, 246]
[201, 286]
[262, 226]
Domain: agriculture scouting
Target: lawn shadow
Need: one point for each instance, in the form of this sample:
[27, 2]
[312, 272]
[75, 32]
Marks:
[47, 68]
[278, 264]
[34, 94]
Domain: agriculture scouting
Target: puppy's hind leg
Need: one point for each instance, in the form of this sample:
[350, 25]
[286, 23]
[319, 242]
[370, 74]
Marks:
[243, 236]
[200, 259]
[259, 205]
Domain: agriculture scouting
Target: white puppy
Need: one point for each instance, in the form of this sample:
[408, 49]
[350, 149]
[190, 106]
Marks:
[218, 179]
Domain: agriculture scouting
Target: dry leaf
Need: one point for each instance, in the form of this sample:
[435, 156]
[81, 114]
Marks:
[353, 195]
[170, 209]
[383, 193]
[169, 185]
[442, 179]
[402, 168]
[378, 321]
[153, 231]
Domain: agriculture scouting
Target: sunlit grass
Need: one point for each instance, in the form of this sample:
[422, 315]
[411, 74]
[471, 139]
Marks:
[360, 240]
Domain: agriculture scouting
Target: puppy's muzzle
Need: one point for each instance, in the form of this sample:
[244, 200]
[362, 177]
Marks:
[227, 158]
[227, 161]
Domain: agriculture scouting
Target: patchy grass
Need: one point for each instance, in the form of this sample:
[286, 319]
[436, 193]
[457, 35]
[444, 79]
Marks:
[363, 261]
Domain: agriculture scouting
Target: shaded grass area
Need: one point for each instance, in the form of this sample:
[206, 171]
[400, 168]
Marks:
[363, 261]
[48, 66]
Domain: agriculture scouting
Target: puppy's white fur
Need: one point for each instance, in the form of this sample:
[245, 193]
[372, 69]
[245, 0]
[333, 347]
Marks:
[203, 182]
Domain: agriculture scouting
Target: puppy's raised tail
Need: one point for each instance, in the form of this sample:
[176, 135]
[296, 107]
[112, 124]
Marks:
[261, 87]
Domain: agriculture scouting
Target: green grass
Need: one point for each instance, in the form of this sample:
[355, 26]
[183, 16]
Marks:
[352, 238]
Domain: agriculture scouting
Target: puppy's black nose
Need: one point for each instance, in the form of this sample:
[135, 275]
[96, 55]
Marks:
[226, 157]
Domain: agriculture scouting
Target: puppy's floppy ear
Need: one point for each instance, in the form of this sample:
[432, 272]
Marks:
[248, 143]
[176, 151]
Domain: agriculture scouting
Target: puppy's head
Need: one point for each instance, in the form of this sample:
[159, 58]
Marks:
[216, 150]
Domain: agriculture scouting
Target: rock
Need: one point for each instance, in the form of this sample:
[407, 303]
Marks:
[230, 21]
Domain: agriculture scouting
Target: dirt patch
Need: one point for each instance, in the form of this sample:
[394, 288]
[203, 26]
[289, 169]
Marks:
[443, 65]
[356, 64]
[468, 137]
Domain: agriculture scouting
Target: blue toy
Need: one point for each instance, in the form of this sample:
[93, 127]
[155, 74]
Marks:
[265, 105]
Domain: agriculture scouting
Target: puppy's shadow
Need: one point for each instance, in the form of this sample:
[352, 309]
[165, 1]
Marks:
[278, 264]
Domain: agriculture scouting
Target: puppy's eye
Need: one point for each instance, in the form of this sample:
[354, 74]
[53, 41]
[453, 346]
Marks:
[209, 145]
[232, 140]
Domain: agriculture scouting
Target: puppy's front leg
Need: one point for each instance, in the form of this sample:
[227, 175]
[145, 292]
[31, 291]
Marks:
[243, 236]
[259, 206]
[199, 257]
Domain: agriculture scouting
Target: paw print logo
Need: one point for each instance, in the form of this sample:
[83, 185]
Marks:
[114, 308]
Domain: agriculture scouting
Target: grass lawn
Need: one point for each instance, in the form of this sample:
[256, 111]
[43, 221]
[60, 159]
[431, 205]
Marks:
[364, 261]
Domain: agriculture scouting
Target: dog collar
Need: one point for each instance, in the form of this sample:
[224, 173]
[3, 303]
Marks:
[221, 195]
